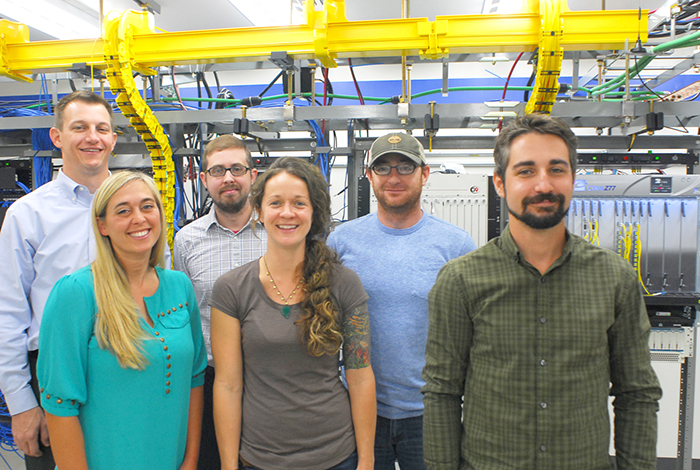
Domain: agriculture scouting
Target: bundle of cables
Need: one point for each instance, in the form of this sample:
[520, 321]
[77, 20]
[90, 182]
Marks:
[322, 159]
[7, 442]
[40, 141]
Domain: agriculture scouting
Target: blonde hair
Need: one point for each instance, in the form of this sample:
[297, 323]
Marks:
[117, 326]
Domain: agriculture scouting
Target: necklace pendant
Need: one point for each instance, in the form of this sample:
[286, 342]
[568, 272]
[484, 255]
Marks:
[285, 311]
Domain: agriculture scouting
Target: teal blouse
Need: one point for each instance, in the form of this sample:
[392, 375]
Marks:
[129, 418]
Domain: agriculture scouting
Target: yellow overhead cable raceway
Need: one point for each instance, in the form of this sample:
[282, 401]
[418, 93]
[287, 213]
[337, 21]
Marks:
[118, 40]
[550, 55]
[131, 43]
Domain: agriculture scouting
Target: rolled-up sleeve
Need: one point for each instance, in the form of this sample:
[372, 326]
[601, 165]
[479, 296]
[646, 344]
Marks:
[66, 329]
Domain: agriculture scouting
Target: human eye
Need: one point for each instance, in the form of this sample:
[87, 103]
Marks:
[406, 168]
[217, 170]
[524, 172]
[123, 211]
[104, 129]
[148, 206]
[238, 170]
[382, 169]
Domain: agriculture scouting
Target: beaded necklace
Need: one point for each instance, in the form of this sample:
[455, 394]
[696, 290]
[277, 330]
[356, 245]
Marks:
[285, 309]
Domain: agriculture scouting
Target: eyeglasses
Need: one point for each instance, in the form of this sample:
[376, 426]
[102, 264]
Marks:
[219, 171]
[384, 169]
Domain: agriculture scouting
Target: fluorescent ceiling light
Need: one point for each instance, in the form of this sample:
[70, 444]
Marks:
[502, 104]
[502, 7]
[56, 18]
[271, 12]
[494, 58]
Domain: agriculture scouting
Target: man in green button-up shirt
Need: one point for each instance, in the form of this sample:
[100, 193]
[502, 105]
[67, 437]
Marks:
[534, 331]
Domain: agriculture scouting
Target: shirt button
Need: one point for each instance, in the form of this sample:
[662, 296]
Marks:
[543, 448]
[168, 374]
[167, 391]
[543, 320]
[157, 333]
[542, 280]
[167, 366]
[165, 348]
[167, 383]
[543, 405]
[167, 357]
[543, 362]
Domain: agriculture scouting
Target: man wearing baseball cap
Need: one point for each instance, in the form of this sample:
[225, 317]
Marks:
[397, 252]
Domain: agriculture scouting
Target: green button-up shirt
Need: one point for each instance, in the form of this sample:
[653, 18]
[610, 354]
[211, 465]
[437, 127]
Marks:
[535, 357]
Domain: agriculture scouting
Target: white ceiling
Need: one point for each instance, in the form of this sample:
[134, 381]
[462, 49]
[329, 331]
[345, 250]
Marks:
[185, 15]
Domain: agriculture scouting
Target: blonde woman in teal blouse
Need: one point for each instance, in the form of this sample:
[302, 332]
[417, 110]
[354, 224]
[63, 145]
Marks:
[121, 348]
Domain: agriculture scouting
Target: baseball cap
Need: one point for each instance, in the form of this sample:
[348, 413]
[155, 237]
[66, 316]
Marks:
[397, 142]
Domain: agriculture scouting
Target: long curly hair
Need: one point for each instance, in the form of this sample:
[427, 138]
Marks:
[319, 325]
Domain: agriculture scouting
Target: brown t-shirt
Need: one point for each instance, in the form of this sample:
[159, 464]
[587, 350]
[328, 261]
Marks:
[296, 411]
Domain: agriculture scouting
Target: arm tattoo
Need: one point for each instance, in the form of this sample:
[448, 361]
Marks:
[356, 339]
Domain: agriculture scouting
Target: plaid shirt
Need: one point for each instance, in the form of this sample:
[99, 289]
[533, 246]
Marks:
[534, 357]
[204, 250]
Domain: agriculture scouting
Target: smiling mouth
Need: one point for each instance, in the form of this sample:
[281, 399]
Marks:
[287, 227]
[140, 234]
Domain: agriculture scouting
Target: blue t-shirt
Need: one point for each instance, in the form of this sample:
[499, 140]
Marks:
[398, 267]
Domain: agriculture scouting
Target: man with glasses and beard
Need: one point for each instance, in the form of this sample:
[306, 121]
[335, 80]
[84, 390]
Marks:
[216, 243]
[530, 334]
[397, 252]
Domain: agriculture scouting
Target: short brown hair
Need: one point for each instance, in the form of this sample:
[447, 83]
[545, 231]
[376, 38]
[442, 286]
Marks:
[225, 142]
[86, 97]
[528, 124]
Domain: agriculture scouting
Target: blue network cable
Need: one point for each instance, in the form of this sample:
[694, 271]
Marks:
[323, 158]
[7, 442]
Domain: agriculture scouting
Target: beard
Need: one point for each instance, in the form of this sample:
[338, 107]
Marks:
[541, 222]
[230, 205]
[402, 206]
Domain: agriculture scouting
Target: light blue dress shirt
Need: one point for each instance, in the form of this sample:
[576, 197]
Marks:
[45, 235]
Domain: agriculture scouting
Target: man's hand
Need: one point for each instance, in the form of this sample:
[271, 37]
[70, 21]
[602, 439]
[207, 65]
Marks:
[27, 428]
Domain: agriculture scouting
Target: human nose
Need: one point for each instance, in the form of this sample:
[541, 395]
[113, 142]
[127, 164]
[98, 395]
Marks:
[544, 185]
[92, 134]
[287, 210]
[393, 174]
[228, 174]
[138, 217]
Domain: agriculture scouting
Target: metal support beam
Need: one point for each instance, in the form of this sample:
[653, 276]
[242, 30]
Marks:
[685, 412]
[327, 37]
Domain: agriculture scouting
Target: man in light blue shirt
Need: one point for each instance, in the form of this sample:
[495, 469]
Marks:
[397, 252]
[46, 235]
[216, 243]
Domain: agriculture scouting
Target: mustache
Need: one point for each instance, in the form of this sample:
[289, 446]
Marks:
[229, 186]
[549, 197]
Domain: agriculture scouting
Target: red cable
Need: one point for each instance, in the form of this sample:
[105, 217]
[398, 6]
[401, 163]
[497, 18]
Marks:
[357, 86]
[505, 87]
[325, 97]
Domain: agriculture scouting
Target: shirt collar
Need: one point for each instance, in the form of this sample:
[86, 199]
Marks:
[507, 244]
[210, 220]
[73, 191]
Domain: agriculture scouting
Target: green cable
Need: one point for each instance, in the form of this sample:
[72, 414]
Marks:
[687, 41]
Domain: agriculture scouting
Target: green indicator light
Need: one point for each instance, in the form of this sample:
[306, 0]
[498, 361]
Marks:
[657, 158]
[594, 158]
